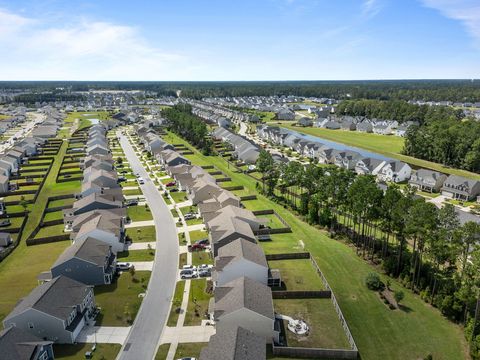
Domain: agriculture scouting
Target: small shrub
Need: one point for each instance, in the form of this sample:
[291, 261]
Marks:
[373, 282]
[398, 295]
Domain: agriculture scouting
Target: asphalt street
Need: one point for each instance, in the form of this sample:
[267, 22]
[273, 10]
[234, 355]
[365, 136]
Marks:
[147, 328]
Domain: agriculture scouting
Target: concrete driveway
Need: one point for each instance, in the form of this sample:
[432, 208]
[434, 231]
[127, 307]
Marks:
[103, 334]
[147, 328]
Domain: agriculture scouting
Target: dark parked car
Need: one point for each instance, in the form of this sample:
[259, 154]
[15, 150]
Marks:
[131, 202]
[5, 222]
[174, 190]
[170, 184]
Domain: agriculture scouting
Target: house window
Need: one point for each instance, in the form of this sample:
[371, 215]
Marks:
[30, 325]
[43, 356]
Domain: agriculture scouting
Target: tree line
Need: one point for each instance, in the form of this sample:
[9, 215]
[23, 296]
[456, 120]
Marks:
[192, 128]
[426, 248]
[399, 110]
[427, 90]
[449, 142]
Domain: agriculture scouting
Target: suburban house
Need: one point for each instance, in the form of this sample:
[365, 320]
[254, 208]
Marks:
[368, 166]
[460, 188]
[107, 178]
[97, 149]
[230, 230]
[88, 260]
[240, 258]
[365, 126]
[394, 171]
[56, 310]
[103, 229]
[234, 343]
[4, 184]
[10, 163]
[427, 180]
[285, 114]
[93, 201]
[246, 303]
[16, 344]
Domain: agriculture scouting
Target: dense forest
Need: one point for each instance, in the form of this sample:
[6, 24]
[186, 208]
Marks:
[398, 110]
[182, 122]
[426, 248]
[450, 142]
[435, 90]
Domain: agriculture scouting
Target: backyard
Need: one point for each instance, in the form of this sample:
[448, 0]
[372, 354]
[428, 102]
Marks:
[415, 334]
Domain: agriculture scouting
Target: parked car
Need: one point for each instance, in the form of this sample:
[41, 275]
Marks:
[187, 358]
[174, 190]
[205, 273]
[197, 247]
[188, 274]
[123, 266]
[141, 181]
[170, 184]
[188, 267]
[122, 179]
[137, 175]
[131, 202]
[205, 266]
[190, 216]
[5, 222]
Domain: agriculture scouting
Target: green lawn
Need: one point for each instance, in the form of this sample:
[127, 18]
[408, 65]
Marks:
[77, 351]
[139, 213]
[387, 145]
[132, 192]
[162, 352]
[120, 301]
[196, 311]
[182, 260]
[63, 202]
[298, 274]
[195, 221]
[185, 350]
[56, 215]
[176, 303]
[376, 329]
[325, 328]
[48, 231]
[136, 255]
[201, 257]
[179, 196]
[197, 235]
[142, 234]
[186, 209]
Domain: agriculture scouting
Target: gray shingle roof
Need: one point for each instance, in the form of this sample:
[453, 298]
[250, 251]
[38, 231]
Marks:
[239, 249]
[243, 293]
[16, 344]
[57, 298]
[234, 344]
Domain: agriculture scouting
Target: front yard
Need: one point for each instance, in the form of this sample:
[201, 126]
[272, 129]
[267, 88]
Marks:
[142, 234]
[139, 213]
[77, 351]
[136, 255]
[198, 302]
[120, 301]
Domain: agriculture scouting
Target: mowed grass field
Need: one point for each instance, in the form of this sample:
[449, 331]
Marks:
[387, 145]
[380, 333]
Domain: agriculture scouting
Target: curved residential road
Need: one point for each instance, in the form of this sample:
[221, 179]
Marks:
[147, 328]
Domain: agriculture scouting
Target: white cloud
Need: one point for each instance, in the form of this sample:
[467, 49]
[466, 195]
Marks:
[465, 11]
[83, 49]
[370, 8]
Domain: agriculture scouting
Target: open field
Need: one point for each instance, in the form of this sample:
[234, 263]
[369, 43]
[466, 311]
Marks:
[390, 146]
[377, 330]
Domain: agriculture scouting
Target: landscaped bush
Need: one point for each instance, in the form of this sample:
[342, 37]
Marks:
[374, 282]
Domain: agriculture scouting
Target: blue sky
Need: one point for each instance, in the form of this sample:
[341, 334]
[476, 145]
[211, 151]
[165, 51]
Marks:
[239, 40]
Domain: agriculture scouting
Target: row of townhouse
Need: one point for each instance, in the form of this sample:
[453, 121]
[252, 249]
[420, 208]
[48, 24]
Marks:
[58, 309]
[360, 124]
[385, 170]
[243, 149]
[220, 115]
[452, 186]
[242, 306]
